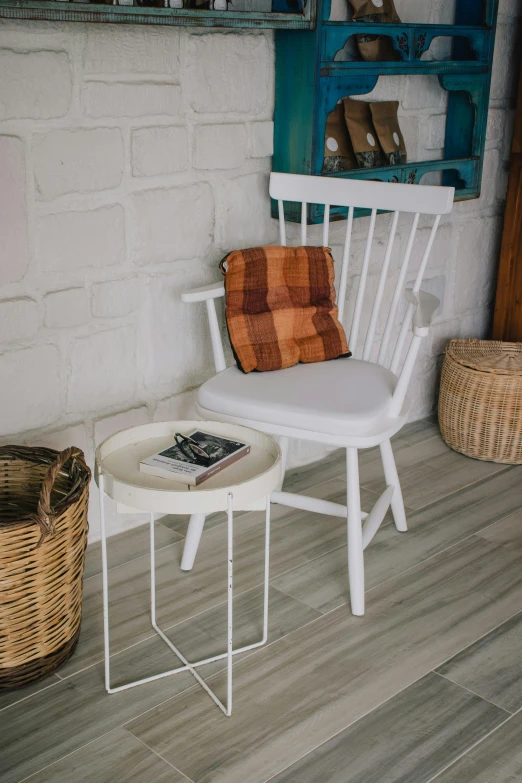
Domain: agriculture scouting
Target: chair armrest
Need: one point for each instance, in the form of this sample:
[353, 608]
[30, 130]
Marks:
[203, 294]
[425, 306]
[207, 294]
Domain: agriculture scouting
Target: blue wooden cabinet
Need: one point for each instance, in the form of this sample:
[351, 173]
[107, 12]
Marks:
[286, 14]
[310, 82]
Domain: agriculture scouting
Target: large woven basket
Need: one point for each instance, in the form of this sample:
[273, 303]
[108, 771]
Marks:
[43, 535]
[480, 403]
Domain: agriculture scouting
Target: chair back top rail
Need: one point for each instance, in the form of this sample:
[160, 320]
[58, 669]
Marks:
[389, 196]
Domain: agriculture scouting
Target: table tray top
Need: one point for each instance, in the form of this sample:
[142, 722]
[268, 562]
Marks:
[250, 480]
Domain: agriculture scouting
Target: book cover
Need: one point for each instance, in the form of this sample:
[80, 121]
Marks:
[185, 464]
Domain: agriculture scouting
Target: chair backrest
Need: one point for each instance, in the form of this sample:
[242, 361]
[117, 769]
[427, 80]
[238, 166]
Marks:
[415, 200]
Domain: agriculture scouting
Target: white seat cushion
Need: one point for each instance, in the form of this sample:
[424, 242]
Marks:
[333, 397]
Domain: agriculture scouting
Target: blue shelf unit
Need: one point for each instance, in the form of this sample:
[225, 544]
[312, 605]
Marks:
[310, 82]
[285, 14]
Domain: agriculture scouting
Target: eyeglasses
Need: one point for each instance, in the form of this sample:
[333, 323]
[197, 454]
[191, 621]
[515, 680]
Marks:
[191, 449]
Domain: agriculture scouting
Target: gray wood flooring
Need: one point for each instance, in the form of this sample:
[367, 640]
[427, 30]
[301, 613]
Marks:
[426, 687]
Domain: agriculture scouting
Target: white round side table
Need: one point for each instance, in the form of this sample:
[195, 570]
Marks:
[243, 486]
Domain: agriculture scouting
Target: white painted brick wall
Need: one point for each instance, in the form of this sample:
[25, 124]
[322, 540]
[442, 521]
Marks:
[69, 240]
[136, 50]
[436, 132]
[77, 161]
[130, 100]
[220, 146]
[222, 78]
[474, 282]
[102, 370]
[76, 435]
[174, 345]
[14, 247]
[496, 125]
[171, 225]
[132, 159]
[262, 139]
[179, 407]
[247, 220]
[30, 393]
[35, 85]
[159, 151]
[104, 428]
[66, 308]
[505, 75]
[19, 319]
[424, 93]
[116, 297]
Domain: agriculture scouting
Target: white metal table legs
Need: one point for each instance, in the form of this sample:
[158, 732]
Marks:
[187, 666]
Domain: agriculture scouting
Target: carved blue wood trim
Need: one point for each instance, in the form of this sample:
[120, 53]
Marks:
[409, 41]
[309, 83]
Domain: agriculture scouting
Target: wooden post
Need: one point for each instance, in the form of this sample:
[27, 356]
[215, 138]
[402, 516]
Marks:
[508, 308]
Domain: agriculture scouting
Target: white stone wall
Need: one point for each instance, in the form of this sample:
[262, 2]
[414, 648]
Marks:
[132, 159]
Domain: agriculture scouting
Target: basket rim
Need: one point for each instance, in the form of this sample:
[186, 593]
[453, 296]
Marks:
[40, 455]
[493, 347]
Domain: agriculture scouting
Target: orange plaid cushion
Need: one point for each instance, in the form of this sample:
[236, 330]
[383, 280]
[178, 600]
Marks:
[280, 307]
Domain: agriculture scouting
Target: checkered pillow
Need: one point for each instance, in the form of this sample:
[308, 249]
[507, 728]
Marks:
[280, 307]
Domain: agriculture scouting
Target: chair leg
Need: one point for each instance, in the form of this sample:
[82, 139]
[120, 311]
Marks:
[283, 445]
[355, 543]
[392, 479]
[194, 531]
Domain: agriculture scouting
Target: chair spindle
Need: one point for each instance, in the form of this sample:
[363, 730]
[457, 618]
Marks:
[326, 224]
[282, 227]
[341, 298]
[380, 290]
[399, 290]
[304, 211]
[354, 333]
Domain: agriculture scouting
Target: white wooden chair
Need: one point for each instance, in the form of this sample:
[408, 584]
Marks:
[354, 403]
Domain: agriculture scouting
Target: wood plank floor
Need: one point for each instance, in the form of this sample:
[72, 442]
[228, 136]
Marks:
[426, 687]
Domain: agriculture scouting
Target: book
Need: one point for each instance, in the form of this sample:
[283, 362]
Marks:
[192, 464]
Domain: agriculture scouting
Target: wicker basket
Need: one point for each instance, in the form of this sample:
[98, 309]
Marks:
[480, 404]
[43, 535]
